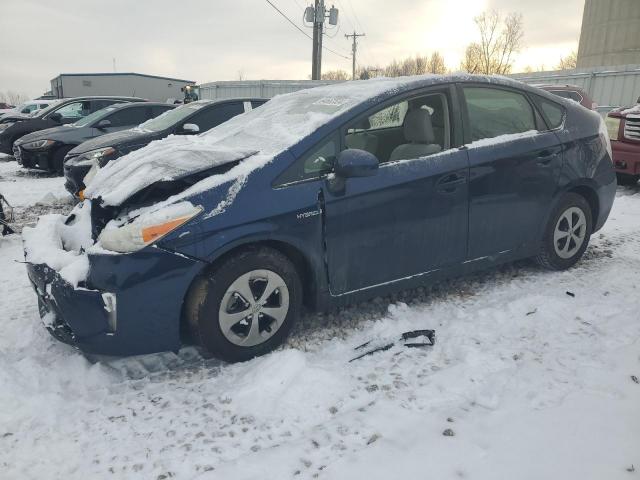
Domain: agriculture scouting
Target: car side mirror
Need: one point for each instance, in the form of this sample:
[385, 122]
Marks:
[190, 129]
[356, 163]
[56, 117]
[103, 124]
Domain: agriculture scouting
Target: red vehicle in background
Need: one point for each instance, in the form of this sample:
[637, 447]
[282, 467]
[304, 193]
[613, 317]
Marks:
[624, 131]
[572, 92]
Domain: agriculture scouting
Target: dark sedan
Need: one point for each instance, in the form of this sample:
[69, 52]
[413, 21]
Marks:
[66, 111]
[190, 119]
[46, 149]
[321, 197]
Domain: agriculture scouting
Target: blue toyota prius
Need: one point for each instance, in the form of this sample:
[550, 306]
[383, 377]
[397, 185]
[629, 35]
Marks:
[318, 198]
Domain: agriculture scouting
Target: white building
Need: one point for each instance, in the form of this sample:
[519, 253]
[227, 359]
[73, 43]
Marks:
[151, 87]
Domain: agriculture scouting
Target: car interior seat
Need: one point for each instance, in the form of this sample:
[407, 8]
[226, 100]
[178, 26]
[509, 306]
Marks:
[418, 132]
[362, 140]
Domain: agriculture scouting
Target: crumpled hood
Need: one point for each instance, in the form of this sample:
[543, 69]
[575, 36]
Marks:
[115, 139]
[164, 161]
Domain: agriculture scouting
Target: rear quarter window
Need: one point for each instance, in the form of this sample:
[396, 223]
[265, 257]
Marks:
[553, 113]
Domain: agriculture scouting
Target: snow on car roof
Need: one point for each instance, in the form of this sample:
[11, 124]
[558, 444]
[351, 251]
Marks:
[267, 131]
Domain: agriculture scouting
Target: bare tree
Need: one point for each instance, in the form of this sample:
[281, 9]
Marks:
[435, 64]
[15, 98]
[336, 75]
[569, 62]
[472, 61]
[500, 40]
[418, 65]
[242, 75]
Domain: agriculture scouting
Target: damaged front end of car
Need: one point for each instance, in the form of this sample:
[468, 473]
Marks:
[104, 281]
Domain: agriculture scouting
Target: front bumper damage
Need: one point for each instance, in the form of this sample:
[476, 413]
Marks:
[130, 304]
[40, 159]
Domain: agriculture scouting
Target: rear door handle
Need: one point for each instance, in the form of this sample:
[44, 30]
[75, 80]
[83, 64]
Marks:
[545, 157]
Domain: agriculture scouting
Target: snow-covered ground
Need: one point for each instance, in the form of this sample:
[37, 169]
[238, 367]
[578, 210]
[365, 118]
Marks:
[534, 383]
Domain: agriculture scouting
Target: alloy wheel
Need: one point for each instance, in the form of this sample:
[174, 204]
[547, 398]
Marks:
[253, 308]
[570, 232]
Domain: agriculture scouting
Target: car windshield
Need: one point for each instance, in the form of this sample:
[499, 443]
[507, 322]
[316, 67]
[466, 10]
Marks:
[92, 117]
[171, 117]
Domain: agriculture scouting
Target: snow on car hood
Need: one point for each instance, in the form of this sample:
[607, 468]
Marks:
[255, 137]
[159, 162]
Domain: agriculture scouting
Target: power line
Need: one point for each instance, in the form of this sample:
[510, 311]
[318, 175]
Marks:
[302, 31]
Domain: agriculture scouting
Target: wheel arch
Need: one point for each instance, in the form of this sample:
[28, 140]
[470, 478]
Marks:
[301, 262]
[590, 195]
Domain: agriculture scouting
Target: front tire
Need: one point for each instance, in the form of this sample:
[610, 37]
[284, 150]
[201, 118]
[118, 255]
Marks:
[246, 306]
[58, 159]
[567, 234]
[627, 179]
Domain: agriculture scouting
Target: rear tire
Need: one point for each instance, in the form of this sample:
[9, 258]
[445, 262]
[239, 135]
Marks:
[58, 159]
[626, 179]
[246, 306]
[567, 234]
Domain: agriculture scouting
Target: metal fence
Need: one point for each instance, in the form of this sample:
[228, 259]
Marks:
[256, 88]
[607, 86]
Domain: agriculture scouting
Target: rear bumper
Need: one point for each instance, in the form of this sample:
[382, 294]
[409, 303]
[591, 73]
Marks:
[606, 195]
[626, 157]
[132, 305]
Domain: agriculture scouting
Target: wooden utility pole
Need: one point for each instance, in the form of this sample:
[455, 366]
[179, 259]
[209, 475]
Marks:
[354, 48]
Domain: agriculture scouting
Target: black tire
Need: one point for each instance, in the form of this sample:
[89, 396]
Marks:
[58, 159]
[627, 179]
[205, 297]
[548, 256]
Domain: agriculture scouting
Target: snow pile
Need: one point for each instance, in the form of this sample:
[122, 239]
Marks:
[534, 384]
[635, 110]
[61, 245]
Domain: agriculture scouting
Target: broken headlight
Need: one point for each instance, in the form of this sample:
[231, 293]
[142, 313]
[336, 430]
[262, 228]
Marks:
[145, 229]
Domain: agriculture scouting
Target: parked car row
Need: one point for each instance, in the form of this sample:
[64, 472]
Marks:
[321, 198]
[189, 119]
[75, 134]
[27, 108]
[46, 149]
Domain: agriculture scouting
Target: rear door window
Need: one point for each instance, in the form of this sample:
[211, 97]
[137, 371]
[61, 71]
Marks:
[128, 117]
[213, 116]
[100, 104]
[75, 111]
[158, 110]
[493, 112]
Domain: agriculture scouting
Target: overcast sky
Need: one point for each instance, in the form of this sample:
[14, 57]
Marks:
[208, 40]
